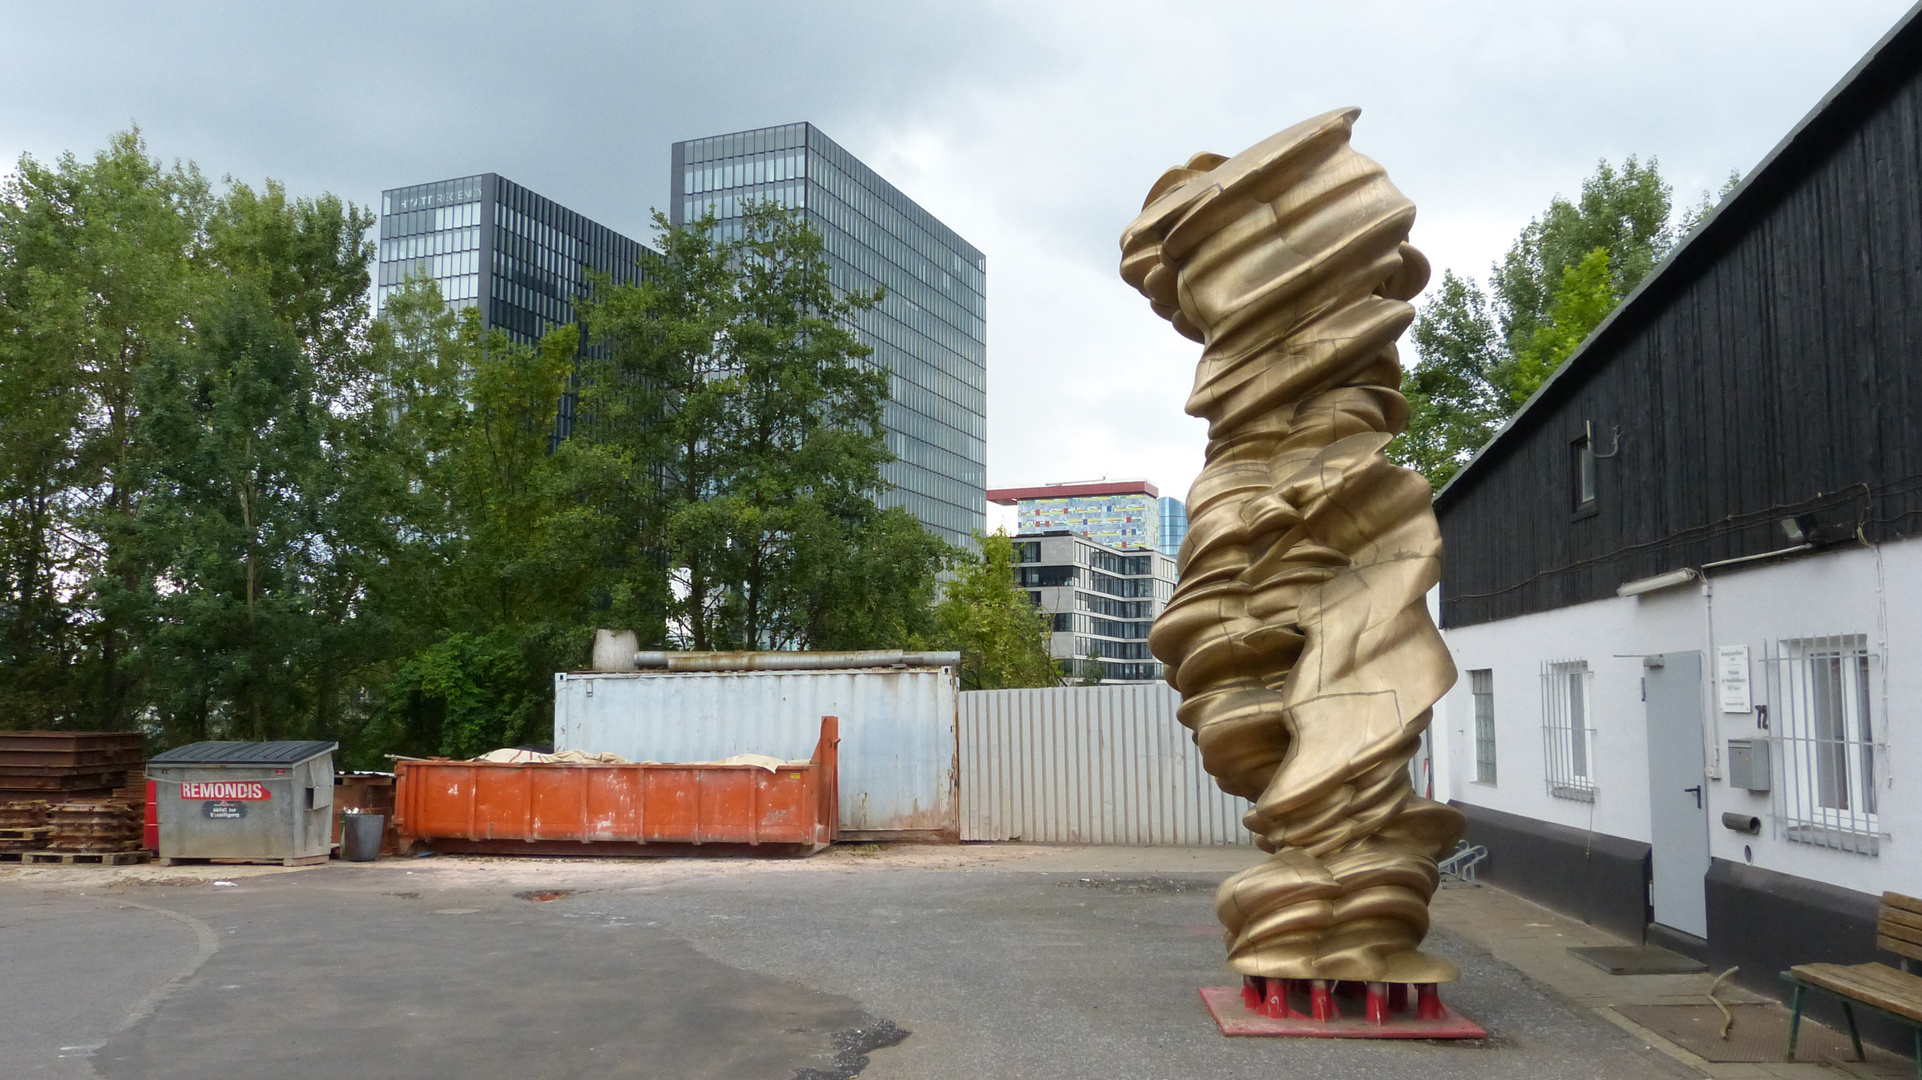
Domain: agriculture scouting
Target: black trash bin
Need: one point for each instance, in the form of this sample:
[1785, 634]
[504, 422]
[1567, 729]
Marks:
[360, 836]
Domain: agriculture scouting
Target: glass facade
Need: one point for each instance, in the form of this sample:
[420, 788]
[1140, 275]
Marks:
[490, 243]
[930, 332]
[1174, 525]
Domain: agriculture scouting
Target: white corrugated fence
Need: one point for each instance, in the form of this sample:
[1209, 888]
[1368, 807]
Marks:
[1088, 765]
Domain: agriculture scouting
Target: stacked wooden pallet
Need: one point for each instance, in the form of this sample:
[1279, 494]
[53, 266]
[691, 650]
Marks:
[61, 766]
[93, 827]
[23, 827]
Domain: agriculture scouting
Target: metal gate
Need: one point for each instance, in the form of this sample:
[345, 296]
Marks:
[1088, 765]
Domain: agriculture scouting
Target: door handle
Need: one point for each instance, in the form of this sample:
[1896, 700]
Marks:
[1697, 792]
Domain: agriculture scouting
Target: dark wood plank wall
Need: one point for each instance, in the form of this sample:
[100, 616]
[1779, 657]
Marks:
[1775, 369]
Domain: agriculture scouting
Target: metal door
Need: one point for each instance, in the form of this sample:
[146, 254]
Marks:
[1678, 803]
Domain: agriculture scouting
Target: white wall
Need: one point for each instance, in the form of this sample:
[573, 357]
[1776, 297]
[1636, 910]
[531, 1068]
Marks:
[1857, 590]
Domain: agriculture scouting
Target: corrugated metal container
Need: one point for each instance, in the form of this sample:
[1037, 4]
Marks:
[1088, 765]
[898, 751]
[556, 807]
[260, 801]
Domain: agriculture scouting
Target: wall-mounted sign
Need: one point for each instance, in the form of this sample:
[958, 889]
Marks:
[1731, 675]
[252, 790]
[223, 811]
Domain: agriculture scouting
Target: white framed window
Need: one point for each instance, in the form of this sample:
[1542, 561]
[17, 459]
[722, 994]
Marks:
[1481, 686]
[1823, 723]
[1568, 735]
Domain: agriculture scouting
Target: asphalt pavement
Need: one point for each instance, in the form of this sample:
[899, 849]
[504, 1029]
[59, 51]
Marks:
[936, 963]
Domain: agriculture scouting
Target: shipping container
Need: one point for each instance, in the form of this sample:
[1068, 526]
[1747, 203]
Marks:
[562, 807]
[899, 769]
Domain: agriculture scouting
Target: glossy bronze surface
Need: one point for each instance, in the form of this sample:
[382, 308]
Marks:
[1299, 634]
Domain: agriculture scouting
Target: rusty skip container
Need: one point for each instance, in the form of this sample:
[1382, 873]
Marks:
[567, 808]
[899, 765]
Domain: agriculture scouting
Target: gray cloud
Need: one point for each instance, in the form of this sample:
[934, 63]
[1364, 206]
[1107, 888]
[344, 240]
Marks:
[1033, 129]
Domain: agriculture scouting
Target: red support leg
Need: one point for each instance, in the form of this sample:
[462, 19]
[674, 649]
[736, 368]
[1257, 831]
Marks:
[1321, 1003]
[1377, 1003]
[1277, 1004]
[1429, 1005]
[1252, 992]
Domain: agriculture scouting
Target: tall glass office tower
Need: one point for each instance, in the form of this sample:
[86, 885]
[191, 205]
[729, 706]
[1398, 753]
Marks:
[490, 243]
[929, 334]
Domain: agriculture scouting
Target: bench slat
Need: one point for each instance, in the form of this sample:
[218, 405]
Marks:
[1905, 903]
[1878, 984]
[1899, 947]
[1900, 918]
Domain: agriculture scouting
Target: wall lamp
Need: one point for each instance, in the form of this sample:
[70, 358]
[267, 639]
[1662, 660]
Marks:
[1659, 581]
[1800, 529]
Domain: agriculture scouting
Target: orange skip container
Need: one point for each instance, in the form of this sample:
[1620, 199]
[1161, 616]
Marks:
[562, 808]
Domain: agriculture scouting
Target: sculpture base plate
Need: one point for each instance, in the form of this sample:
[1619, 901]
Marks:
[1234, 1018]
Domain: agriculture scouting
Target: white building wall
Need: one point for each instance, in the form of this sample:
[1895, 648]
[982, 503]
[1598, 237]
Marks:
[1876, 592]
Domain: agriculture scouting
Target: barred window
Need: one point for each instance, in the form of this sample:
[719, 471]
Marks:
[1481, 684]
[1568, 738]
[1824, 726]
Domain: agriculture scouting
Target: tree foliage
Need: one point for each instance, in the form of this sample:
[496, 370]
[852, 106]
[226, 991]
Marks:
[737, 441]
[1482, 354]
[235, 505]
[1001, 635]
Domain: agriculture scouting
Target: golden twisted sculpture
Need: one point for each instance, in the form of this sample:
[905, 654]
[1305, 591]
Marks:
[1299, 635]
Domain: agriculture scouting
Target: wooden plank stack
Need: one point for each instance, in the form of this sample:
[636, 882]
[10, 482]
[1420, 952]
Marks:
[23, 826]
[61, 766]
[72, 795]
[94, 827]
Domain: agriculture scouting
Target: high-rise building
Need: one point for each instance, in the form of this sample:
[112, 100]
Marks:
[1121, 513]
[929, 333]
[1100, 601]
[490, 243]
[1174, 525]
[1090, 555]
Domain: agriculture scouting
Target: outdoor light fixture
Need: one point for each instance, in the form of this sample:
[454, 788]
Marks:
[1659, 581]
[1800, 529]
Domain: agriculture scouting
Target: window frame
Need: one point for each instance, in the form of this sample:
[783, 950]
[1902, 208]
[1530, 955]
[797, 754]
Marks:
[1568, 729]
[1821, 687]
[1481, 695]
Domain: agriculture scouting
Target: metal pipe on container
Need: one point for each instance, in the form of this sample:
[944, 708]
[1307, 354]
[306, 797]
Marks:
[791, 661]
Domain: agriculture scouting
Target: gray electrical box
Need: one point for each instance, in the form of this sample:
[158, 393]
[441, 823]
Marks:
[1748, 764]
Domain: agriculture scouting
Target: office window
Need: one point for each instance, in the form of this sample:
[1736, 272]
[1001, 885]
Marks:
[1481, 685]
[1824, 724]
[1568, 735]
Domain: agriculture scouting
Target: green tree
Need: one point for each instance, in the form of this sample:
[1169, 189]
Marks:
[1453, 406]
[1585, 296]
[490, 589]
[1001, 635]
[1480, 355]
[97, 268]
[735, 448]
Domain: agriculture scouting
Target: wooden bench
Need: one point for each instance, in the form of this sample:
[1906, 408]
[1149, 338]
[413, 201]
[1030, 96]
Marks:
[1881, 989]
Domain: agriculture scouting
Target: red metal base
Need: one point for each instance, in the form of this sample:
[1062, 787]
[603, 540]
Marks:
[1272, 1007]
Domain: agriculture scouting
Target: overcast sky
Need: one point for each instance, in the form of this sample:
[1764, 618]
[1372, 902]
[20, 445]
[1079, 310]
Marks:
[1033, 129]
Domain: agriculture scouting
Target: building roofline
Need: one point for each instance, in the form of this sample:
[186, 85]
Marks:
[1767, 181]
[1011, 495]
